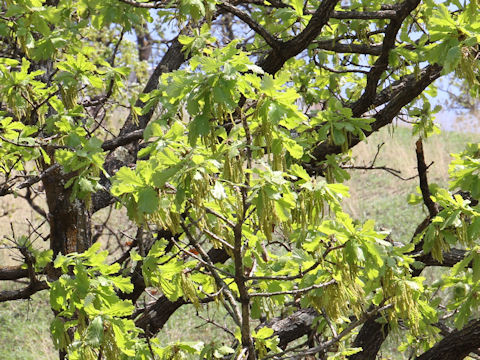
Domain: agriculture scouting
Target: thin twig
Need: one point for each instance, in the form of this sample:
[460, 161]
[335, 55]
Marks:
[294, 292]
[214, 323]
[235, 312]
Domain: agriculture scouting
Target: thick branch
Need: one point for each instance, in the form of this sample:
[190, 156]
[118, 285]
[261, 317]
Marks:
[122, 140]
[12, 273]
[370, 338]
[450, 258]
[294, 326]
[275, 59]
[364, 15]
[395, 87]
[457, 345]
[382, 62]
[339, 47]
[384, 117]
[259, 29]
[422, 175]
[25, 293]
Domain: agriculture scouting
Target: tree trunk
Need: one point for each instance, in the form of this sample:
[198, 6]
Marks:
[69, 219]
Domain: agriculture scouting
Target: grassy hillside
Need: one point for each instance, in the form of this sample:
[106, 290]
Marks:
[378, 195]
[374, 194]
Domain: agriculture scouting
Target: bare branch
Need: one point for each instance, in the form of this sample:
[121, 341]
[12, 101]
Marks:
[295, 292]
[25, 293]
[381, 64]
[339, 47]
[122, 140]
[364, 15]
[422, 174]
[275, 59]
[145, 5]
[35, 179]
[12, 273]
[259, 29]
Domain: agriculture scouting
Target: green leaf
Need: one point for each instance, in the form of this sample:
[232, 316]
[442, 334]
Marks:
[338, 137]
[125, 181]
[294, 149]
[263, 333]
[299, 172]
[122, 283]
[223, 351]
[298, 6]
[148, 200]
[452, 58]
[198, 127]
[160, 178]
[94, 335]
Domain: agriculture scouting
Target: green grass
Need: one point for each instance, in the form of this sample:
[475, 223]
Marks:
[24, 329]
[378, 195]
[375, 195]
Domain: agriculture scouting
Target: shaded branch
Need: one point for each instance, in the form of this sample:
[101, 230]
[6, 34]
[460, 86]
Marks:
[338, 47]
[422, 175]
[122, 140]
[292, 327]
[364, 15]
[259, 29]
[25, 293]
[370, 338]
[277, 58]
[381, 64]
[394, 88]
[384, 117]
[456, 345]
[12, 273]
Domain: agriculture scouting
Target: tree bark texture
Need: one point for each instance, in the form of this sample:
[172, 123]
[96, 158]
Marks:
[69, 220]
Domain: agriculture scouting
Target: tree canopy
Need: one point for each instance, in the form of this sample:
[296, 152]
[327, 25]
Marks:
[223, 129]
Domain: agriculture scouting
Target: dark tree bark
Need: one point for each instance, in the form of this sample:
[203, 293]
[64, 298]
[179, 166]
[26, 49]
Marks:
[457, 345]
[370, 339]
[69, 220]
[293, 327]
[277, 57]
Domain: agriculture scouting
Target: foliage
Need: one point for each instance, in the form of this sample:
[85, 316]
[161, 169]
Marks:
[233, 172]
